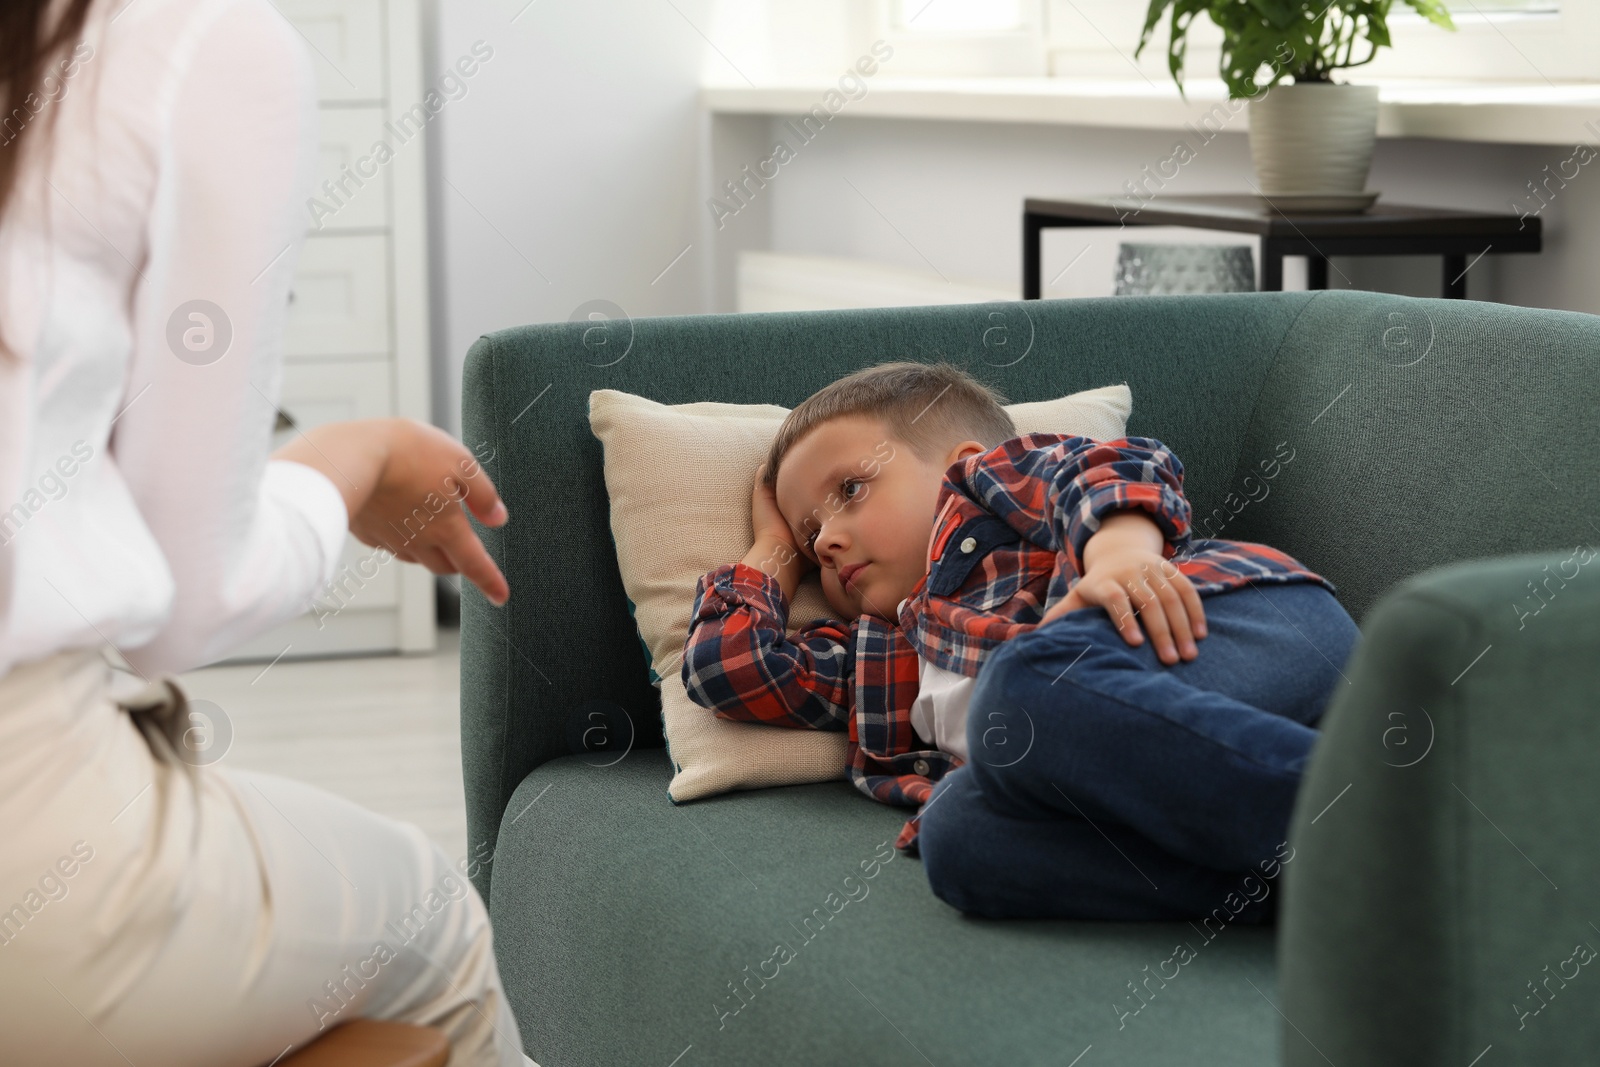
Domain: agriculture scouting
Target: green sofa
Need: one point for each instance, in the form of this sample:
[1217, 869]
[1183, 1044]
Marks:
[1444, 475]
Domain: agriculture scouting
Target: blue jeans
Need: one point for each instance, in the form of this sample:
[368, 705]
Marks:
[1104, 784]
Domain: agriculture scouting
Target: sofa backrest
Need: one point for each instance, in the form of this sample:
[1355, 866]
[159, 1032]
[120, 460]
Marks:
[1425, 432]
[1398, 433]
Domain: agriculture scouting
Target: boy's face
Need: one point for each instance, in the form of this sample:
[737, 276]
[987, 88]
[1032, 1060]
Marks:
[861, 505]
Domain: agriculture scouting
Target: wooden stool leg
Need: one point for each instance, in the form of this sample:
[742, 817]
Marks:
[373, 1043]
[1455, 277]
[1316, 272]
[1271, 267]
[1032, 229]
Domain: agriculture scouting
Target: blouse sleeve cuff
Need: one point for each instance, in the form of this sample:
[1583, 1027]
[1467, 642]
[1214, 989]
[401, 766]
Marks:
[305, 491]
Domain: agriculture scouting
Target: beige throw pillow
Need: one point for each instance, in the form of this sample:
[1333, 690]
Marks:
[679, 478]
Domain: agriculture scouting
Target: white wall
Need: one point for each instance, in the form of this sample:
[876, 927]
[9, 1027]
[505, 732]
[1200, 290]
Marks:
[578, 166]
[571, 170]
[568, 172]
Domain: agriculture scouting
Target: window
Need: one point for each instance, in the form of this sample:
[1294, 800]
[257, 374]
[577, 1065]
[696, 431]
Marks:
[1529, 41]
[962, 16]
[1487, 6]
[964, 37]
[1523, 41]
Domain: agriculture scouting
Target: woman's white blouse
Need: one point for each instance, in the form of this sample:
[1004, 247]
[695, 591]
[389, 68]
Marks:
[145, 263]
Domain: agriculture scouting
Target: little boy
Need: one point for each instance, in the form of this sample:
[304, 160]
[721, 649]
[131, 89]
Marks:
[986, 646]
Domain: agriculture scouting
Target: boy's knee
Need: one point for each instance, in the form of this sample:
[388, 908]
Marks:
[943, 861]
[1047, 652]
[948, 849]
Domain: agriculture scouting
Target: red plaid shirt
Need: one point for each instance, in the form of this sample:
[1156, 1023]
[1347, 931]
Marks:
[1007, 544]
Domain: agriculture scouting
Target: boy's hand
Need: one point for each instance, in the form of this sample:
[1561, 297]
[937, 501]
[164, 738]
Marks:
[766, 521]
[773, 549]
[1125, 574]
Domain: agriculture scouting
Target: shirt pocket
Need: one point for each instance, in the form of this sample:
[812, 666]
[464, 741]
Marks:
[959, 574]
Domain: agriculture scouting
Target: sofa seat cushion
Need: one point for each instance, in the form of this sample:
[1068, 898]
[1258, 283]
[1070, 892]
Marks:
[629, 929]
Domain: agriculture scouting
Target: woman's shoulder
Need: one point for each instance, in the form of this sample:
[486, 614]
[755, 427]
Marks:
[177, 34]
[170, 65]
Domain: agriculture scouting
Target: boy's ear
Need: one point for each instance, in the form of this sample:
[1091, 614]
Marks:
[963, 450]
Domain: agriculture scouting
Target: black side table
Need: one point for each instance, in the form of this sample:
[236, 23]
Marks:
[1383, 230]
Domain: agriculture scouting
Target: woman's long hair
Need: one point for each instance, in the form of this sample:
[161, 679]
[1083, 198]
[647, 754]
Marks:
[32, 37]
[29, 45]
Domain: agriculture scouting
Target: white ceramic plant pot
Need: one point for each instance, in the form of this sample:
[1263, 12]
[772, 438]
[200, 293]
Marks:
[1314, 139]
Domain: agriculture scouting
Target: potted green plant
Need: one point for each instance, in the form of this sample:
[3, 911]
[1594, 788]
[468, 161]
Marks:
[1311, 138]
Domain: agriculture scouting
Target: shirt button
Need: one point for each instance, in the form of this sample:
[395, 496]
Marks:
[921, 767]
[969, 545]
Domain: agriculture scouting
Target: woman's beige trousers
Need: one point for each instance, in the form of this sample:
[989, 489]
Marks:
[163, 914]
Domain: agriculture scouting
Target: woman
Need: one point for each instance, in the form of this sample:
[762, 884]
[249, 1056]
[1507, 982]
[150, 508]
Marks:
[154, 159]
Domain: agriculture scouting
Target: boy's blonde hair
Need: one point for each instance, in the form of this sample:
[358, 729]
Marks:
[928, 406]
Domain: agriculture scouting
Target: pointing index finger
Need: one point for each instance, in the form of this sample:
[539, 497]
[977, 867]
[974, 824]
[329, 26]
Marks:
[478, 493]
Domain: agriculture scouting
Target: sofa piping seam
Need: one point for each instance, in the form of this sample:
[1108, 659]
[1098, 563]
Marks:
[1277, 356]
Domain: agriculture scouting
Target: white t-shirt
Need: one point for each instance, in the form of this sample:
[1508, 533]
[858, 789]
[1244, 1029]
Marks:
[939, 714]
[137, 503]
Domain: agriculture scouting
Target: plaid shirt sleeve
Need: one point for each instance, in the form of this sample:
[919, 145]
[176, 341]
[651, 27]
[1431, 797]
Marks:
[1054, 489]
[740, 663]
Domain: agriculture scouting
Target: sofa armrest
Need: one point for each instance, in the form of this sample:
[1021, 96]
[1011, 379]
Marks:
[1445, 865]
[534, 672]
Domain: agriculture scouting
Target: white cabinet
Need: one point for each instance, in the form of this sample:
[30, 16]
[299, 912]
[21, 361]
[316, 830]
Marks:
[340, 304]
[356, 339]
[351, 193]
[347, 45]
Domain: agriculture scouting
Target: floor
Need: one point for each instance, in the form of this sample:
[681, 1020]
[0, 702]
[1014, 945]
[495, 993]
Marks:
[383, 731]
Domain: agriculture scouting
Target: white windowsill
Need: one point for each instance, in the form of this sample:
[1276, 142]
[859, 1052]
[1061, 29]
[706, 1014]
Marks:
[1505, 113]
